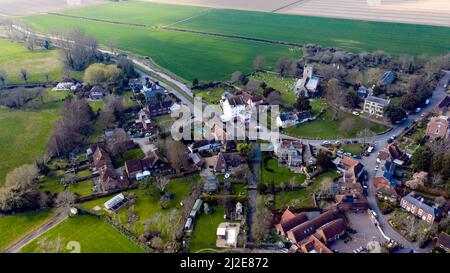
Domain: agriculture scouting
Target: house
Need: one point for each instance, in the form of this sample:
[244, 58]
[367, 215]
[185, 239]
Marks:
[97, 93]
[153, 164]
[438, 127]
[109, 179]
[362, 92]
[65, 84]
[211, 185]
[443, 242]
[386, 193]
[385, 178]
[352, 169]
[375, 106]
[153, 92]
[355, 202]
[227, 234]
[331, 231]
[144, 118]
[235, 108]
[314, 245]
[286, 120]
[387, 78]
[160, 107]
[135, 84]
[443, 108]
[420, 207]
[252, 100]
[289, 152]
[203, 145]
[304, 230]
[225, 162]
[308, 85]
[394, 154]
[290, 221]
[196, 159]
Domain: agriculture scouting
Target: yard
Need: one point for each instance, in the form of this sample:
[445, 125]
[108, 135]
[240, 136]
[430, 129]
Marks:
[135, 153]
[14, 57]
[92, 233]
[205, 228]
[13, 227]
[324, 127]
[354, 148]
[147, 207]
[271, 171]
[285, 85]
[212, 95]
[83, 188]
[301, 197]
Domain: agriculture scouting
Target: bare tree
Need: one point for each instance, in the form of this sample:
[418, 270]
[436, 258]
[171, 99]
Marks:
[237, 77]
[64, 201]
[347, 125]
[335, 96]
[24, 75]
[259, 63]
[176, 154]
[365, 133]
[79, 50]
[162, 182]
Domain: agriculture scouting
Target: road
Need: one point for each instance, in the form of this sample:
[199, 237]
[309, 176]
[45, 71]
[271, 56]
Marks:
[369, 162]
[36, 233]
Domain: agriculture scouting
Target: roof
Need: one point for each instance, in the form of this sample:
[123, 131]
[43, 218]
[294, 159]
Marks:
[133, 165]
[298, 219]
[444, 240]
[312, 83]
[114, 201]
[385, 178]
[236, 100]
[445, 103]
[288, 116]
[387, 78]
[416, 200]
[333, 228]
[221, 231]
[438, 127]
[309, 227]
[378, 100]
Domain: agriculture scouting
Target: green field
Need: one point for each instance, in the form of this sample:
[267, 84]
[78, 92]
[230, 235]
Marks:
[205, 228]
[13, 227]
[301, 197]
[94, 235]
[14, 57]
[324, 127]
[26, 134]
[207, 57]
[271, 171]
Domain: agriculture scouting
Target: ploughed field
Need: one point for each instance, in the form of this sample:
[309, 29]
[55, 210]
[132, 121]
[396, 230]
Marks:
[210, 44]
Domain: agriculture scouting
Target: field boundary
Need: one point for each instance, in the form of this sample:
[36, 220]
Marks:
[287, 6]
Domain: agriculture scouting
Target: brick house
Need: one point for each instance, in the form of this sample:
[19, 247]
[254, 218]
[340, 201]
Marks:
[420, 207]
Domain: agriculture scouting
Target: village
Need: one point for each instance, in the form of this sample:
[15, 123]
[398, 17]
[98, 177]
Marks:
[349, 164]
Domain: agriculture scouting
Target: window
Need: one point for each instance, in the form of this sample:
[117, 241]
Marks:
[420, 211]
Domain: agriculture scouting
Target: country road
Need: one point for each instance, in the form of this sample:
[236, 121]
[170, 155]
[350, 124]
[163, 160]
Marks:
[57, 219]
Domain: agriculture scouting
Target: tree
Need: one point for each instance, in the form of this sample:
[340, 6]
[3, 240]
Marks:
[162, 182]
[237, 77]
[421, 159]
[127, 67]
[274, 98]
[335, 95]
[261, 224]
[175, 152]
[64, 201]
[253, 85]
[245, 150]
[117, 142]
[365, 133]
[302, 104]
[79, 50]
[24, 75]
[324, 161]
[72, 129]
[2, 79]
[409, 101]
[111, 111]
[195, 82]
[326, 187]
[259, 63]
[352, 99]
[20, 189]
[101, 74]
[395, 113]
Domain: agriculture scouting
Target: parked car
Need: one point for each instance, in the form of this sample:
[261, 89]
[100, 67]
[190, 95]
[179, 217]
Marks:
[356, 113]
[418, 109]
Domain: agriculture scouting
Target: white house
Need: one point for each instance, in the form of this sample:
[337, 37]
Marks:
[375, 106]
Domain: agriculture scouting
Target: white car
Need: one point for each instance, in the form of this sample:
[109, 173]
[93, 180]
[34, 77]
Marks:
[376, 168]
[418, 109]
[356, 113]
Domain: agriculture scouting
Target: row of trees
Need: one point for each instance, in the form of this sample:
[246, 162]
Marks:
[435, 160]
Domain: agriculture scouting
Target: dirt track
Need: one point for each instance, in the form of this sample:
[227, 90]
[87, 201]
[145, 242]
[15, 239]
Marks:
[427, 12]
[30, 7]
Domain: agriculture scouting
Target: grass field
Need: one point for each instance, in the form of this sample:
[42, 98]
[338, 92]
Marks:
[205, 228]
[14, 57]
[279, 174]
[301, 197]
[94, 235]
[205, 57]
[26, 134]
[13, 227]
[326, 128]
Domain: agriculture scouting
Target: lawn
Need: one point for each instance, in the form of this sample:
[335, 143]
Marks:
[326, 128]
[271, 171]
[147, 207]
[13, 227]
[211, 95]
[96, 105]
[283, 84]
[135, 153]
[83, 188]
[301, 197]
[94, 235]
[354, 148]
[14, 57]
[205, 227]
[26, 134]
